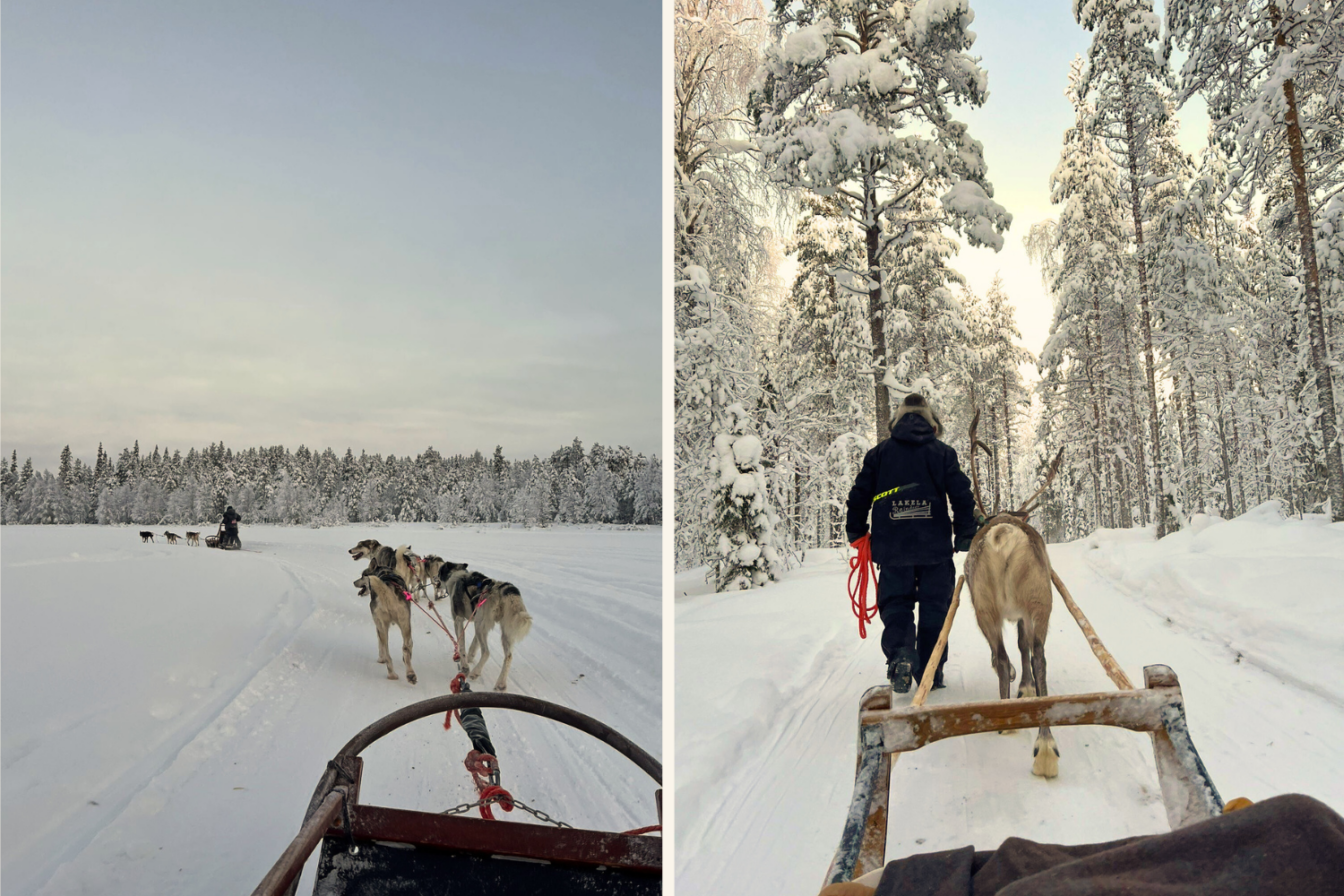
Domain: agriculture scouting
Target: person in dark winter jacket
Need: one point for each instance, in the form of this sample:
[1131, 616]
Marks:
[230, 523]
[906, 482]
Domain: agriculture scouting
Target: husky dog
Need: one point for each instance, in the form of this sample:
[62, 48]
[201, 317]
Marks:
[450, 580]
[146, 537]
[381, 556]
[194, 538]
[387, 605]
[495, 603]
[172, 537]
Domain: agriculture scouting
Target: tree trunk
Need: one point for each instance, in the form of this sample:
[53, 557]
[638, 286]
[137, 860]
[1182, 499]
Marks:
[1136, 427]
[1334, 465]
[1194, 442]
[1008, 445]
[1146, 318]
[1222, 442]
[876, 324]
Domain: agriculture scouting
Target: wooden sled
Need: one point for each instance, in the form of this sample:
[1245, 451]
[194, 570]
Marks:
[886, 731]
[377, 850]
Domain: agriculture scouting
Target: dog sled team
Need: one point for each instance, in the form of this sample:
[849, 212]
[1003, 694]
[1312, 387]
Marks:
[396, 577]
[226, 537]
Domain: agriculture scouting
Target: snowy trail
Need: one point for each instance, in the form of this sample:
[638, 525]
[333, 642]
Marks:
[200, 717]
[768, 684]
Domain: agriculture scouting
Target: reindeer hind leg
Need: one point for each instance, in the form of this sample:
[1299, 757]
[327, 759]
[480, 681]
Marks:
[1027, 686]
[1045, 763]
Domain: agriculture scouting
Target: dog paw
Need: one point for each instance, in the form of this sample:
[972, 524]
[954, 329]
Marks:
[392, 676]
[501, 687]
[475, 675]
[410, 676]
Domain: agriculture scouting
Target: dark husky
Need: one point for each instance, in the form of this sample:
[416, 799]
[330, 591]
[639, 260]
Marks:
[495, 603]
[388, 604]
[450, 581]
[146, 537]
[172, 537]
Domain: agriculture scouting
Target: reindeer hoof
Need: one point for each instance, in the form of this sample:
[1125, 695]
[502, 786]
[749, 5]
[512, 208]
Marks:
[1046, 764]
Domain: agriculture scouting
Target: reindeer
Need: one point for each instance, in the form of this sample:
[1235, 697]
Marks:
[1008, 572]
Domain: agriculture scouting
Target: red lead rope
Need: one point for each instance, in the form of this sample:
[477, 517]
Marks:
[862, 566]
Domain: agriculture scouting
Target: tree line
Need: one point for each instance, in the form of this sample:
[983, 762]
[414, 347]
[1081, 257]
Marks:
[275, 485]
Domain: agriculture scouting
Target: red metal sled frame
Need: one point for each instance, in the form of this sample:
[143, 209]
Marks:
[337, 794]
[886, 731]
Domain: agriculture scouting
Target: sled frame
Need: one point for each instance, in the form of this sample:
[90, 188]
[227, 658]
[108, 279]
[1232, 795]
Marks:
[886, 731]
[443, 846]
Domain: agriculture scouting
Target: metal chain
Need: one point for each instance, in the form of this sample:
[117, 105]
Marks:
[540, 815]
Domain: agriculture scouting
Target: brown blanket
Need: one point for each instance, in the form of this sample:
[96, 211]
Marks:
[1285, 846]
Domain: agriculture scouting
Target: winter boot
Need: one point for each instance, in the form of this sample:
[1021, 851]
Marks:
[900, 669]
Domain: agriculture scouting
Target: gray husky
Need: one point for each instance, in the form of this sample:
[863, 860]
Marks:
[487, 603]
[387, 605]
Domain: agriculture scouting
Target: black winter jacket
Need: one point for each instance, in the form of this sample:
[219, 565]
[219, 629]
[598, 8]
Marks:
[907, 481]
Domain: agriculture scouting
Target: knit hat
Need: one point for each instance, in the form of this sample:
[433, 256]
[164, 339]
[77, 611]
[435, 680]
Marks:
[914, 403]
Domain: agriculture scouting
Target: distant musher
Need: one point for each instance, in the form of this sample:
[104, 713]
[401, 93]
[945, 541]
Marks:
[228, 529]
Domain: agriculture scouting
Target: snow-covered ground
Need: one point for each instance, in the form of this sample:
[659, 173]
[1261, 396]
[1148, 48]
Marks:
[1248, 612]
[168, 710]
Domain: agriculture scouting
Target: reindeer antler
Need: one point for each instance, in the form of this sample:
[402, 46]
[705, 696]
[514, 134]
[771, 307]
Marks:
[975, 475]
[1029, 505]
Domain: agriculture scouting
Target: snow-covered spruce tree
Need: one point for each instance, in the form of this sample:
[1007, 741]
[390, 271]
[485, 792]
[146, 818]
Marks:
[853, 102]
[1080, 257]
[1124, 76]
[1269, 70]
[1003, 388]
[925, 327]
[743, 519]
[718, 245]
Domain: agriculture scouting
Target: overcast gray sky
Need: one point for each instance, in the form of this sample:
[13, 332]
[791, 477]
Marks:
[382, 226]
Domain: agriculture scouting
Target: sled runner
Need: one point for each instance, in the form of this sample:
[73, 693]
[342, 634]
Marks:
[887, 730]
[376, 850]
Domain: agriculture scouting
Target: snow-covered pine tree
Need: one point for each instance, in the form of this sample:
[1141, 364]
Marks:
[853, 102]
[746, 556]
[1252, 59]
[1124, 75]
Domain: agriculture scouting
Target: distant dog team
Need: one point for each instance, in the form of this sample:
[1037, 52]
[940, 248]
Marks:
[473, 597]
[193, 538]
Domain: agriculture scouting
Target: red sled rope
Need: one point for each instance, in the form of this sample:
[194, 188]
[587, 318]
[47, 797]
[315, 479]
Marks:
[861, 565]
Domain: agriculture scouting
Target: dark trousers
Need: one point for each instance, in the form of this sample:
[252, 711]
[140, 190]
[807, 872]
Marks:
[899, 588]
